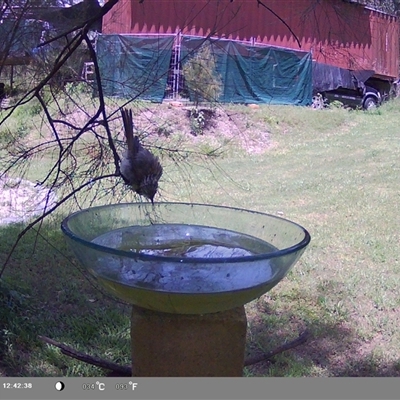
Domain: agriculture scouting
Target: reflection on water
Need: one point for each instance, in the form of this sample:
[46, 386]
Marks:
[183, 242]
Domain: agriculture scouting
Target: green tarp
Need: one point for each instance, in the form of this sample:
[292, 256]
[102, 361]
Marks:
[255, 74]
[134, 67]
[137, 67]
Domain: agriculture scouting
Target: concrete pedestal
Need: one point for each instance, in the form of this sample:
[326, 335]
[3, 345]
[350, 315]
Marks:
[188, 345]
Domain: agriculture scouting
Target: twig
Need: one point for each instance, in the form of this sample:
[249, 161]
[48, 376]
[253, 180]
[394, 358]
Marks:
[102, 105]
[280, 349]
[126, 370]
[85, 24]
[45, 214]
[122, 370]
[260, 3]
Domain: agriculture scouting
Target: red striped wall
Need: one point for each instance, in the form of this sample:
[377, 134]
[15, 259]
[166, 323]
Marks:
[337, 33]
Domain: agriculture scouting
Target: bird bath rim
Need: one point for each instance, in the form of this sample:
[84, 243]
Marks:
[190, 260]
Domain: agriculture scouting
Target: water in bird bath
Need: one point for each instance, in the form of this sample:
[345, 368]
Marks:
[190, 259]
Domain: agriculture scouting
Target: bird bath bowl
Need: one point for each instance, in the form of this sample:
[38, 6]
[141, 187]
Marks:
[184, 259]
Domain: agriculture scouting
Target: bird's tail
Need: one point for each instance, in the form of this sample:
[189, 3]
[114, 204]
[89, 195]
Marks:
[128, 129]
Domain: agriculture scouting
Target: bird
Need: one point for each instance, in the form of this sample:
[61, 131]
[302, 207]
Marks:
[140, 169]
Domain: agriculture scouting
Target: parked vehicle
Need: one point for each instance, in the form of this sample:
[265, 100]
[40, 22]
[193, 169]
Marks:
[365, 98]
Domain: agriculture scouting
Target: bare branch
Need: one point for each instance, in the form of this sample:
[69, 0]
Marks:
[48, 212]
[280, 349]
[260, 3]
[102, 104]
[121, 370]
[50, 119]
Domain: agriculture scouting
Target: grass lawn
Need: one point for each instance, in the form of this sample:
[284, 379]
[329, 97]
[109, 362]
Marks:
[336, 172]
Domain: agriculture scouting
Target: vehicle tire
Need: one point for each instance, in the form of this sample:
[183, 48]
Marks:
[370, 103]
[319, 102]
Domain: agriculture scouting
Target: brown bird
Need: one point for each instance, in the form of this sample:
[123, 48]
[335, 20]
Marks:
[140, 169]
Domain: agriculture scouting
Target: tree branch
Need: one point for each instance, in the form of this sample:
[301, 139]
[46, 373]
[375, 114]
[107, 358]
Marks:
[126, 370]
[280, 349]
[260, 3]
[46, 213]
[122, 370]
[102, 103]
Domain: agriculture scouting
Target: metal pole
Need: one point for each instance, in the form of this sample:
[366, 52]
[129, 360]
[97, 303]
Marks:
[176, 66]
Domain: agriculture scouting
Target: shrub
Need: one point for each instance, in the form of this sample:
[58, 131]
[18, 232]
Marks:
[201, 78]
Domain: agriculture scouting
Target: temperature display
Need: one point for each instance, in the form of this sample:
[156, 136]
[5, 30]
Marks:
[126, 386]
[92, 386]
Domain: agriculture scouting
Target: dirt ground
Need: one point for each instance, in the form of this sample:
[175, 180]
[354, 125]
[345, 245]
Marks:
[215, 126]
[21, 199]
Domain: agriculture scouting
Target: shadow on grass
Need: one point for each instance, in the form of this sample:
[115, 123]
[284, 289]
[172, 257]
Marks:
[333, 348]
[45, 292]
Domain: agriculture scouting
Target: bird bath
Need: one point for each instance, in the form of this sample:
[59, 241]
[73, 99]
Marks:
[187, 270]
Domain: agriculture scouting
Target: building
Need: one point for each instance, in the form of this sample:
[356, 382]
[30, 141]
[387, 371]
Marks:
[337, 33]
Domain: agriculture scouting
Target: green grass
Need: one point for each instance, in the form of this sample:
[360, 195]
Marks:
[336, 172]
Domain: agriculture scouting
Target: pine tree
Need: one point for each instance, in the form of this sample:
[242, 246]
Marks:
[201, 77]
